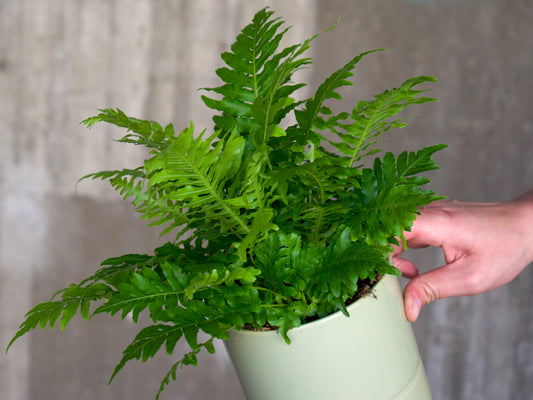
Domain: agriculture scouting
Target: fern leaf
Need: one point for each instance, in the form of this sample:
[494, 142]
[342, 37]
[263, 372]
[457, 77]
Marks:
[146, 133]
[411, 163]
[148, 342]
[257, 43]
[189, 359]
[370, 119]
[192, 174]
[74, 298]
[314, 107]
[343, 264]
[150, 339]
[115, 175]
[273, 258]
[391, 196]
[256, 91]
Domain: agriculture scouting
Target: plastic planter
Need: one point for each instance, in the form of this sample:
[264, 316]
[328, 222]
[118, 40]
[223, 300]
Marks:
[372, 355]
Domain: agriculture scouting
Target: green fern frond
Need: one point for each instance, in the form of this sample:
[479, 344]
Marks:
[74, 299]
[146, 133]
[310, 118]
[190, 358]
[245, 73]
[370, 119]
[256, 91]
[150, 340]
[391, 196]
[343, 264]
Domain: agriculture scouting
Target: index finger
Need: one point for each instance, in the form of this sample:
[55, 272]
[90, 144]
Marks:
[429, 228]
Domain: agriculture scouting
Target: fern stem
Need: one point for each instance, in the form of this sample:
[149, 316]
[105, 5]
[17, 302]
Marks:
[273, 305]
[254, 68]
[318, 223]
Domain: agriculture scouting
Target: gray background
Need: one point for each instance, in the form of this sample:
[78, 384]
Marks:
[60, 60]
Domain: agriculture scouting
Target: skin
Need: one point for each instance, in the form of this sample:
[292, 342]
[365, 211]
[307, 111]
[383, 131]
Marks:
[485, 246]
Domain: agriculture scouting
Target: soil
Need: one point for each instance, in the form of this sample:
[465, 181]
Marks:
[365, 289]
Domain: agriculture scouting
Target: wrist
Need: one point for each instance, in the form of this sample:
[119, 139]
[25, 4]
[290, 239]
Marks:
[522, 209]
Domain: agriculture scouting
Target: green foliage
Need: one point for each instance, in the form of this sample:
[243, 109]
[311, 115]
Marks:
[271, 223]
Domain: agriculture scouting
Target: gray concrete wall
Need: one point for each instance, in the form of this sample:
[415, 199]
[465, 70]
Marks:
[60, 60]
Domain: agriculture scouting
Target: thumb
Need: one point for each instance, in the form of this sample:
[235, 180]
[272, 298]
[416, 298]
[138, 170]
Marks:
[430, 286]
[418, 292]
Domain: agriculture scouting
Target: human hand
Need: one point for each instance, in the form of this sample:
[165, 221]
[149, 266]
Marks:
[485, 245]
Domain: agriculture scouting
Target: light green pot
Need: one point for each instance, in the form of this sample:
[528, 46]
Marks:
[372, 355]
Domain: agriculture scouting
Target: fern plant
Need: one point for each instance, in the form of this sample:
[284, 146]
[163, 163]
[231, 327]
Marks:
[271, 223]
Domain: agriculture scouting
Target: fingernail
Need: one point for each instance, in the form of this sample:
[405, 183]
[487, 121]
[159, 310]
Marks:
[413, 306]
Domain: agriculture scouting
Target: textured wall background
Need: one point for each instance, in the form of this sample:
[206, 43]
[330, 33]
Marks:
[62, 59]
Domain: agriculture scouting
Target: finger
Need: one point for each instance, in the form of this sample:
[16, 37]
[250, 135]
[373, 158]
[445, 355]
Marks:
[417, 294]
[446, 281]
[409, 270]
[429, 229]
[397, 249]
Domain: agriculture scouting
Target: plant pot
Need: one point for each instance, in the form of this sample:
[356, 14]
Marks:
[372, 355]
